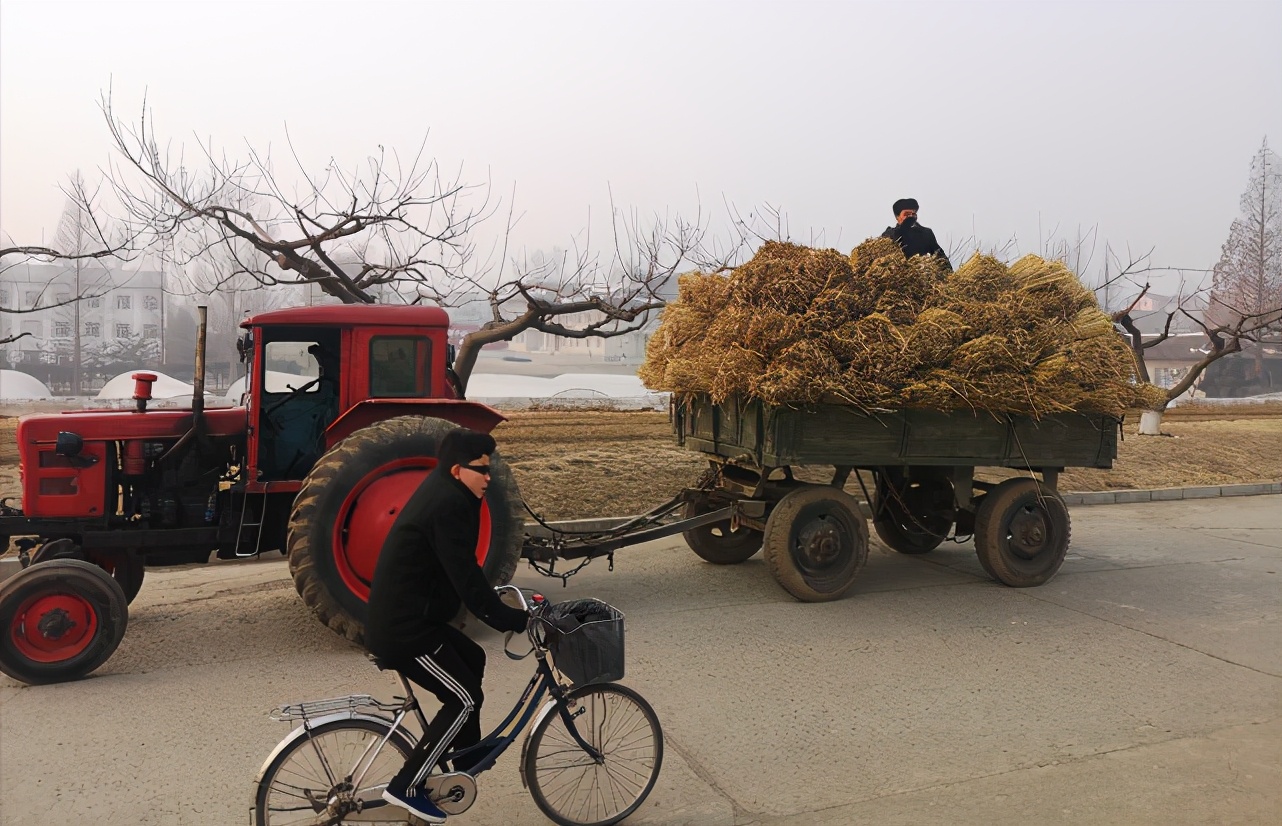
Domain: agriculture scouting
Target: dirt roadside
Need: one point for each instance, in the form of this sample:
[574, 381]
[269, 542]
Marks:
[582, 464]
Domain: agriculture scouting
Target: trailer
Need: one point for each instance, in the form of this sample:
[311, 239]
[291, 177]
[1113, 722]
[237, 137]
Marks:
[921, 489]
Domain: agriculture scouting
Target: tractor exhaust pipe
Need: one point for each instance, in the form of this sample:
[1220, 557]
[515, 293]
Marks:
[197, 391]
[198, 380]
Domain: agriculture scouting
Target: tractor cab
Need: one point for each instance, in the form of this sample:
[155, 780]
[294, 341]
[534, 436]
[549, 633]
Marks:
[310, 369]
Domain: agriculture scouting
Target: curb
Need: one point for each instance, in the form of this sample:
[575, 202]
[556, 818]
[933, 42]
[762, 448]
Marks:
[1111, 497]
[1128, 497]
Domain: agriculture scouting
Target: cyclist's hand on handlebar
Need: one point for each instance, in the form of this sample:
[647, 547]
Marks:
[526, 599]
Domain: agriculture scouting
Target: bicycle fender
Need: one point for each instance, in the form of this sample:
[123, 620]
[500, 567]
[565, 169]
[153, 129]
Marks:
[548, 708]
[301, 732]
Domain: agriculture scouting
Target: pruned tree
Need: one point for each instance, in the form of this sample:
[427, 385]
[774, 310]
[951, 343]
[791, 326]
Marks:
[394, 229]
[583, 293]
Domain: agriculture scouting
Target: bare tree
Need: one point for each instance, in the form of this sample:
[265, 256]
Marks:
[77, 235]
[1247, 281]
[84, 235]
[396, 228]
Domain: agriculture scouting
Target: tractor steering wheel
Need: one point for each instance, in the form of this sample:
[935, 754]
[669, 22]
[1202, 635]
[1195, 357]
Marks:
[293, 391]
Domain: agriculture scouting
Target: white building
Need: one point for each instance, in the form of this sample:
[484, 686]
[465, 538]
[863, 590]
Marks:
[118, 305]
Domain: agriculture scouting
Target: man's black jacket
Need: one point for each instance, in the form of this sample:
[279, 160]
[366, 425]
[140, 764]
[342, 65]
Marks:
[915, 239]
[427, 569]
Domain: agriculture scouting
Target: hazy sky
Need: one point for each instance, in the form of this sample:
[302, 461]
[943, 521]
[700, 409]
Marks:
[1138, 118]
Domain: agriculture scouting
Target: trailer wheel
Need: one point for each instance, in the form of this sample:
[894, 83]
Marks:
[815, 542]
[60, 620]
[352, 496]
[718, 543]
[907, 514]
[1022, 532]
[126, 568]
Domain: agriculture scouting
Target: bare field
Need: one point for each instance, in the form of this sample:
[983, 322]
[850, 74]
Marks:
[581, 464]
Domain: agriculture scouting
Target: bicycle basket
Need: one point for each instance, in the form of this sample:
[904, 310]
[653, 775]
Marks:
[585, 639]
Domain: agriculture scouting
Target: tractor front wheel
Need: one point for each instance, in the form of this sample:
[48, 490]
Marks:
[60, 620]
[350, 500]
[126, 568]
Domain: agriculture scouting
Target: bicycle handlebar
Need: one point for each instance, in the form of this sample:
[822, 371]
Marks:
[532, 603]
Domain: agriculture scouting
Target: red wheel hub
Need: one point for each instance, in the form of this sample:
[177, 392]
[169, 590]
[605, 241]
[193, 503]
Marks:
[53, 627]
[367, 515]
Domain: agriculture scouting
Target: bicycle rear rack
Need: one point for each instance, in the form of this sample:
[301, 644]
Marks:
[318, 708]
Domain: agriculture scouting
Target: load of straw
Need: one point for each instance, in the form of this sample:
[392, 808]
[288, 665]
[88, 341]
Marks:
[876, 330]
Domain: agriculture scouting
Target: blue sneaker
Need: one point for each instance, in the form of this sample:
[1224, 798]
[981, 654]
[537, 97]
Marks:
[416, 802]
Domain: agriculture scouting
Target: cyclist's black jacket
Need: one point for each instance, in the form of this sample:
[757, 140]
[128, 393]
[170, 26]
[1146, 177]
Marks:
[427, 569]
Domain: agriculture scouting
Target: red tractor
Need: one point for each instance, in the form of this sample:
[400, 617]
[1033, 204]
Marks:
[344, 409]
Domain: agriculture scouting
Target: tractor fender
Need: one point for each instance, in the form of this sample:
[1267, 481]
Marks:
[472, 415]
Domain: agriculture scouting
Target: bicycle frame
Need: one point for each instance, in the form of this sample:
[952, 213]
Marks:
[525, 710]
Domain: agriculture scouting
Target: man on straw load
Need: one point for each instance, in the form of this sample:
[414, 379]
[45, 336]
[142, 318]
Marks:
[911, 236]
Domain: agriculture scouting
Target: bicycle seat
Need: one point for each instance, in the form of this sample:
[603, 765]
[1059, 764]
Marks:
[379, 664]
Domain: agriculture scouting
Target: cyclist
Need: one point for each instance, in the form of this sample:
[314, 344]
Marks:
[426, 571]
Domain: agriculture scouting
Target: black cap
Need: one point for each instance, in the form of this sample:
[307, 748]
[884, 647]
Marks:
[905, 203]
[461, 446]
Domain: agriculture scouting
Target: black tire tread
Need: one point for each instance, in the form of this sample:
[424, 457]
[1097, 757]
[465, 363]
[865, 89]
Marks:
[402, 742]
[889, 531]
[81, 576]
[500, 564]
[530, 755]
[778, 554]
[719, 551]
[987, 530]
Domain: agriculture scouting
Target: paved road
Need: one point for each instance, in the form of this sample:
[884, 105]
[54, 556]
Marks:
[1142, 685]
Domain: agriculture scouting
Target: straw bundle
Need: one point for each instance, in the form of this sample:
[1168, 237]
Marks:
[797, 325]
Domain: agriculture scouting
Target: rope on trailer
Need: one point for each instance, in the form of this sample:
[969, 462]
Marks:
[960, 540]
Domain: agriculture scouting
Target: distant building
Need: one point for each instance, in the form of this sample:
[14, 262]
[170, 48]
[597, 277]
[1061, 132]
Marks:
[119, 305]
[1255, 370]
[1150, 314]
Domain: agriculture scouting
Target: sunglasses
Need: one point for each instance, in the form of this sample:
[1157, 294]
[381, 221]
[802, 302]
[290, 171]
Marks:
[484, 470]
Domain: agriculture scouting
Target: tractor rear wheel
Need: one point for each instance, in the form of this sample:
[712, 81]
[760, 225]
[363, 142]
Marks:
[352, 496]
[59, 620]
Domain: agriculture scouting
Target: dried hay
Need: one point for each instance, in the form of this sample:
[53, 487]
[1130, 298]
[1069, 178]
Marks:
[797, 325]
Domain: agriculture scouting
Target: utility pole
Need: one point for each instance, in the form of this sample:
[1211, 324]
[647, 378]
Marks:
[75, 340]
[163, 363]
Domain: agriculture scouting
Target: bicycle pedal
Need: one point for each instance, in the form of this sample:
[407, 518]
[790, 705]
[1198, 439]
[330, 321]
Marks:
[453, 792]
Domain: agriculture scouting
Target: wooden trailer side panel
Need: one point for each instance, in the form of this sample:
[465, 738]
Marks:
[829, 434]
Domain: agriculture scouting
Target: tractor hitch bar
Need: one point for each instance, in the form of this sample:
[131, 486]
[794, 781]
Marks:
[545, 547]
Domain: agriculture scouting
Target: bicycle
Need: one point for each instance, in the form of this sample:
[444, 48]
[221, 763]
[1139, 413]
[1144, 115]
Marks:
[591, 757]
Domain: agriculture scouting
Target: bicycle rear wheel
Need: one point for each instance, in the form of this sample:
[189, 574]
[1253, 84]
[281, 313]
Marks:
[310, 780]
[569, 786]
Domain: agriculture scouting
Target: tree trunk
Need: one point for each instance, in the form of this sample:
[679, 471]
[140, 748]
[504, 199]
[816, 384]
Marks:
[1151, 422]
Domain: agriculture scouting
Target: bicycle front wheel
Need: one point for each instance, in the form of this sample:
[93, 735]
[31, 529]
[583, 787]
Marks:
[311, 781]
[570, 787]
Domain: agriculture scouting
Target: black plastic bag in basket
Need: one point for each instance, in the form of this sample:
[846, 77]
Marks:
[585, 637]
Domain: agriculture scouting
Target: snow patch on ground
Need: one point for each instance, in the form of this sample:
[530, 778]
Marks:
[164, 387]
[571, 390]
[15, 384]
[1264, 398]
